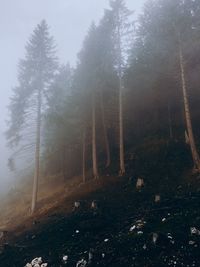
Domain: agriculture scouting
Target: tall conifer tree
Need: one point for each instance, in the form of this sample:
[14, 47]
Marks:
[36, 72]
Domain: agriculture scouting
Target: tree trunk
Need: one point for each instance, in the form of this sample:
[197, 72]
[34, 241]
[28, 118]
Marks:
[84, 156]
[120, 74]
[170, 121]
[121, 130]
[63, 163]
[106, 141]
[37, 154]
[195, 155]
[94, 148]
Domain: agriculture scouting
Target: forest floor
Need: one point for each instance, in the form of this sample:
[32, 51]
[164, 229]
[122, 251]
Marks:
[126, 229]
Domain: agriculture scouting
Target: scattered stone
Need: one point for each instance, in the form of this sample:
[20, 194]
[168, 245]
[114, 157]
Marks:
[1, 234]
[65, 259]
[90, 256]
[35, 222]
[94, 205]
[132, 228]
[36, 261]
[145, 247]
[169, 236]
[157, 198]
[140, 232]
[194, 231]
[191, 242]
[140, 224]
[81, 263]
[77, 204]
[139, 183]
[154, 238]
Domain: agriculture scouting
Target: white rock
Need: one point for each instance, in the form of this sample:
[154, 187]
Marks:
[194, 231]
[90, 256]
[93, 205]
[169, 236]
[36, 261]
[65, 258]
[157, 198]
[140, 183]
[81, 263]
[1, 234]
[77, 204]
[132, 228]
[155, 238]
[140, 232]
[140, 224]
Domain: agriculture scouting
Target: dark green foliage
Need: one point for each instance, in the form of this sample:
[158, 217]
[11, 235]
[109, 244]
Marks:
[35, 72]
[152, 97]
[153, 77]
[162, 158]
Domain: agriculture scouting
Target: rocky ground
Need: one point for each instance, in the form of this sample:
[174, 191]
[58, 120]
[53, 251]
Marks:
[124, 227]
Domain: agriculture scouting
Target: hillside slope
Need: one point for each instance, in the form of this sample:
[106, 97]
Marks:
[120, 232]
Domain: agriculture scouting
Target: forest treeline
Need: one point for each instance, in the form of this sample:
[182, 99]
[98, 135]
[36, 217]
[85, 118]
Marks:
[136, 79]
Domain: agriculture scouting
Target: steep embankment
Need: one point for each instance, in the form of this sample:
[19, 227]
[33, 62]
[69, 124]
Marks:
[118, 233]
[127, 228]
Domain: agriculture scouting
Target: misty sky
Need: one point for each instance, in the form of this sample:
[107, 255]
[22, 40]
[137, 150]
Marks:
[69, 21]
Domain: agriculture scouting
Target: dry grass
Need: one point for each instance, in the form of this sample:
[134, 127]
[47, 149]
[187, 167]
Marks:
[15, 208]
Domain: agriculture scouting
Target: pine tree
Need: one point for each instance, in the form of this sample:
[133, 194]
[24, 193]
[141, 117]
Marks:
[61, 122]
[121, 35]
[87, 82]
[165, 49]
[108, 79]
[36, 72]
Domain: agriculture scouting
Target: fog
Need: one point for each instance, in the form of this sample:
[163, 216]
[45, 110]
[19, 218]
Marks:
[68, 20]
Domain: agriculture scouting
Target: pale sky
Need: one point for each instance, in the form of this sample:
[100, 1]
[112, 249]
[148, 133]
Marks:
[69, 21]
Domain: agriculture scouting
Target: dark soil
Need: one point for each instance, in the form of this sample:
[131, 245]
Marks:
[103, 237]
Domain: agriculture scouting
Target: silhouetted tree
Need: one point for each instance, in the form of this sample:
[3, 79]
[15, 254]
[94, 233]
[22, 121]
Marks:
[36, 72]
[121, 34]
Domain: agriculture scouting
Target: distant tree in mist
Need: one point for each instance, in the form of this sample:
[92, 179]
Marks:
[126, 89]
[62, 124]
[163, 61]
[87, 82]
[11, 164]
[121, 35]
[36, 73]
